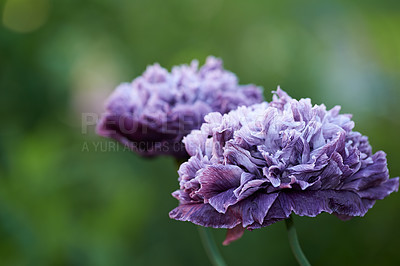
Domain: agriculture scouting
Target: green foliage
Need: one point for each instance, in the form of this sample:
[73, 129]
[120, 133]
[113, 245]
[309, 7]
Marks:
[69, 198]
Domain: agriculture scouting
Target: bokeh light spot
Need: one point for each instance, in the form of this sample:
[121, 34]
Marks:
[25, 15]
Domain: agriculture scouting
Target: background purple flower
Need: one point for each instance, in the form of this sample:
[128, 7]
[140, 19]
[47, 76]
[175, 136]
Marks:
[256, 165]
[153, 113]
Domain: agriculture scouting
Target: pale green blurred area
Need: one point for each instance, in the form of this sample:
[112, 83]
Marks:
[70, 198]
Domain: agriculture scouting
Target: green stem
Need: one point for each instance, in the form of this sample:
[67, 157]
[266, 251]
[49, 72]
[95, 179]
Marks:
[210, 247]
[294, 243]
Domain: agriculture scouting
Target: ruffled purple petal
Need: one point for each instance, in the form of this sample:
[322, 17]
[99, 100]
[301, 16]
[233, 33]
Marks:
[204, 215]
[311, 203]
[233, 234]
[381, 191]
[256, 165]
[217, 185]
[152, 114]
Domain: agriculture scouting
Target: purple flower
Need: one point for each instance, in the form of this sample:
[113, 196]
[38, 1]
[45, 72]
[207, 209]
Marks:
[152, 114]
[256, 165]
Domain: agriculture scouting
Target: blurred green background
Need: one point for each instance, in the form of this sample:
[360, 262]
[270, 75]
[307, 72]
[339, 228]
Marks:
[68, 197]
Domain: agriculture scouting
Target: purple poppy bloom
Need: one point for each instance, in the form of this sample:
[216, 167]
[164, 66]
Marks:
[256, 165]
[153, 113]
